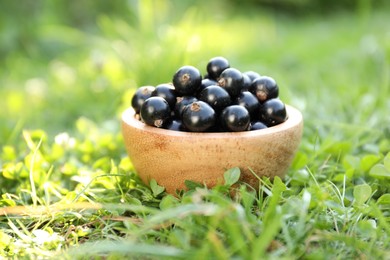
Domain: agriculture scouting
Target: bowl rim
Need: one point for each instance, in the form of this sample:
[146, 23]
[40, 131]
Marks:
[294, 119]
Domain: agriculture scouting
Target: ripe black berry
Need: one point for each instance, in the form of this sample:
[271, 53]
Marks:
[187, 80]
[205, 83]
[175, 125]
[232, 80]
[257, 125]
[235, 118]
[155, 111]
[273, 112]
[252, 75]
[250, 102]
[215, 66]
[217, 97]
[264, 88]
[140, 96]
[167, 92]
[198, 117]
[181, 103]
[246, 82]
[225, 99]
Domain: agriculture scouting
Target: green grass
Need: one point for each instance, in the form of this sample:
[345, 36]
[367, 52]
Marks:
[69, 190]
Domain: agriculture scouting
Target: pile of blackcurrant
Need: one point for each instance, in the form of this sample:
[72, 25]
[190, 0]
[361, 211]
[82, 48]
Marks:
[224, 100]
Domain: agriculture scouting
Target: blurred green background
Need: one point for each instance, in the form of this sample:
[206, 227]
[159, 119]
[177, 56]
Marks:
[62, 60]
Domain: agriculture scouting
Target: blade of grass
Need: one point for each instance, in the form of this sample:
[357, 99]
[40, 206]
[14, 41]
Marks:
[127, 248]
[271, 221]
[30, 142]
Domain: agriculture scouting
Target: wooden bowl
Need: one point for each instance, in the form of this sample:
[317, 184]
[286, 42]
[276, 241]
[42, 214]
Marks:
[171, 157]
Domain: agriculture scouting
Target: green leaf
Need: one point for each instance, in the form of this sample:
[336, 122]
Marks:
[367, 228]
[368, 161]
[247, 198]
[8, 153]
[301, 176]
[134, 201]
[384, 199]
[362, 193]
[278, 185]
[379, 170]
[339, 148]
[351, 162]
[231, 176]
[300, 160]
[168, 201]
[386, 161]
[156, 189]
[347, 174]
[277, 188]
[5, 240]
[192, 185]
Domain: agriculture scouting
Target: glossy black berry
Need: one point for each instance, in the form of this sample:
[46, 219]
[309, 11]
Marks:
[246, 82]
[187, 80]
[155, 111]
[217, 97]
[198, 117]
[232, 81]
[205, 83]
[215, 66]
[250, 102]
[273, 112]
[167, 92]
[264, 88]
[225, 99]
[139, 97]
[175, 125]
[235, 118]
[257, 125]
[181, 103]
[252, 75]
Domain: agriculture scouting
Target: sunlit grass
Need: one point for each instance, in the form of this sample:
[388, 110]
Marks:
[69, 190]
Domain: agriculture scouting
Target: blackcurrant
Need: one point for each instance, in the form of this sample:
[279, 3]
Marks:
[175, 125]
[246, 83]
[252, 75]
[187, 80]
[217, 97]
[198, 117]
[250, 102]
[235, 118]
[257, 125]
[215, 66]
[205, 83]
[181, 103]
[264, 88]
[273, 112]
[232, 80]
[167, 92]
[225, 99]
[155, 111]
[139, 97]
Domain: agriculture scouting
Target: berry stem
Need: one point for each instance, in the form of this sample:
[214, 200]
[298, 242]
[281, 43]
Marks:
[195, 107]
